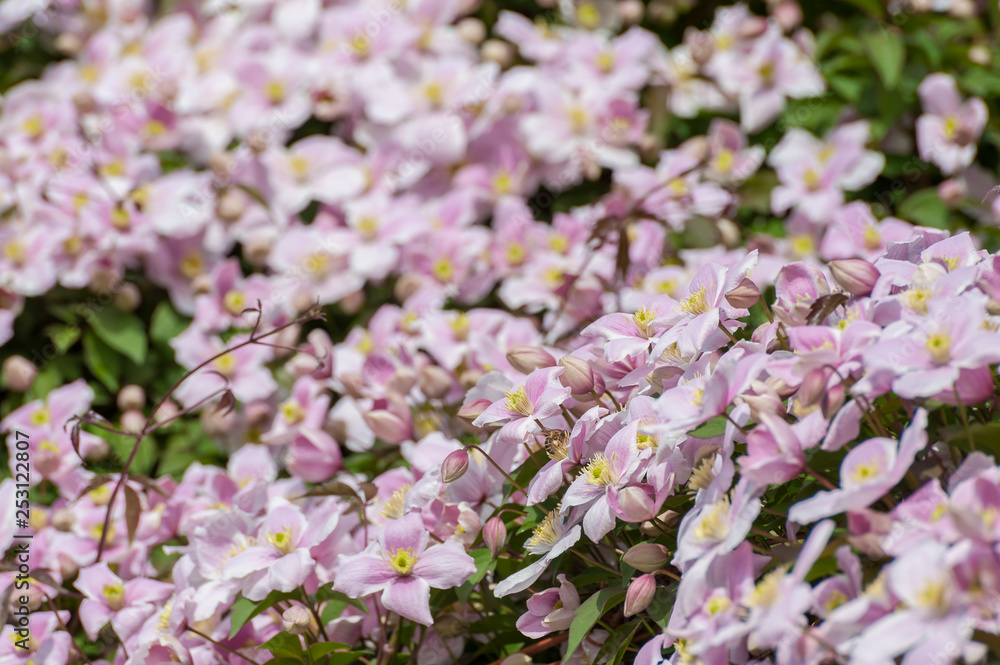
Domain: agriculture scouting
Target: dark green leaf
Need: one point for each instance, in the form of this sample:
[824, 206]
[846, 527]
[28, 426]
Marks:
[484, 564]
[588, 614]
[887, 52]
[284, 645]
[925, 208]
[714, 427]
[614, 647]
[122, 331]
[166, 323]
[244, 610]
[102, 361]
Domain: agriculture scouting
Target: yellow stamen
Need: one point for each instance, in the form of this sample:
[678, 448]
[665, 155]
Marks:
[546, 534]
[518, 402]
[402, 560]
[395, 507]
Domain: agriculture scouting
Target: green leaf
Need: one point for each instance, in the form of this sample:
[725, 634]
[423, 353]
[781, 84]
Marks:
[102, 361]
[484, 564]
[588, 614]
[887, 53]
[333, 653]
[985, 436]
[662, 604]
[618, 642]
[925, 208]
[244, 610]
[284, 645]
[166, 323]
[122, 331]
[336, 603]
[63, 336]
[714, 427]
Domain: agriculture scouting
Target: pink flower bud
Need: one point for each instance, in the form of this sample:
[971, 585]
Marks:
[499, 52]
[788, 14]
[387, 426]
[132, 421]
[526, 359]
[471, 29]
[296, 620]
[768, 402]
[434, 382]
[19, 373]
[630, 11]
[640, 594]
[647, 557]
[635, 504]
[833, 400]
[577, 375]
[744, 296]
[454, 466]
[856, 276]
[813, 386]
[128, 297]
[403, 380]
[473, 409]
[952, 192]
[495, 535]
[131, 397]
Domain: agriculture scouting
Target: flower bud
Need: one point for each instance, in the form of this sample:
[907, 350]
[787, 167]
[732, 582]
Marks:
[788, 14]
[630, 11]
[744, 296]
[729, 232]
[472, 30]
[856, 276]
[980, 55]
[19, 373]
[473, 409]
[434, 382]
[951, 192]
[640, 594]
[132, 421]
[833, 400]
[450, 625]
[647, 557]
[403, 380]
[469, 378]
[635, 504]
[387, 426]
[526, 359]
[768, 402]
[495, 535]
[700, 45]
[517, 659]
[753, 27]
[813, 386]
[498, 51]
[230, 205]
[256, 250]
[577, 375]
[128, 297]
[408, 284]
[454, 466]
[63, 519]
[131, 397]
[352, 302]
[296, 620]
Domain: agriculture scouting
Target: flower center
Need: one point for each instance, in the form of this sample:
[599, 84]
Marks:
[234, 302]
[939, 346]
[599, 471]
[644, 320]
[114, 595]
[292, 412]
[703, 474]
[714, 526]
[546, 534]
[765, 594]
[696, 303]
[864, 473]
[402, 560]
[395, 507]
[282, 541]
[518, 402]
[40, 417]
[226, 364]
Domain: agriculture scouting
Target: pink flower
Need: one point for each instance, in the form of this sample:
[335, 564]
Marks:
[550, 610]
[815, 173]
[866, 474]
[948, 131]
[401, 566]
[525, 405]
[125, 604]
